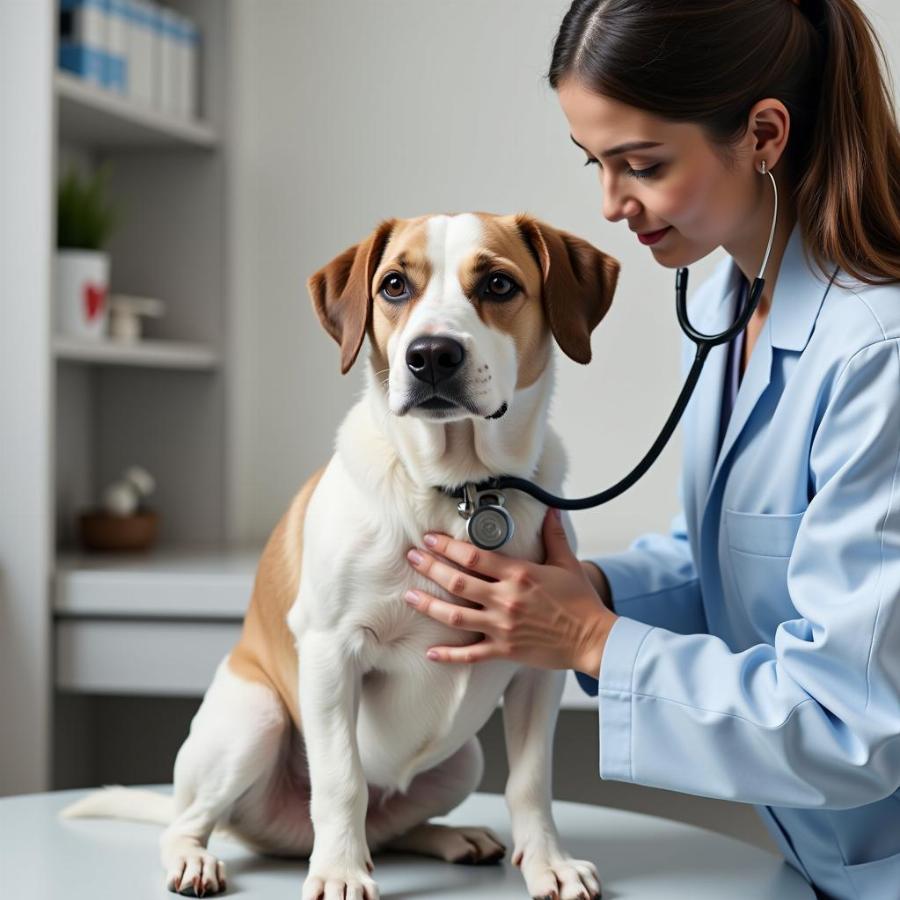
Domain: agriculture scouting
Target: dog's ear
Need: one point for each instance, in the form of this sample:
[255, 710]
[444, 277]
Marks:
[578, 283]
[341, 292]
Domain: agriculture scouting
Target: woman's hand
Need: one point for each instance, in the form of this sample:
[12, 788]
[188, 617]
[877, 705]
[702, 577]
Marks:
[548, 616]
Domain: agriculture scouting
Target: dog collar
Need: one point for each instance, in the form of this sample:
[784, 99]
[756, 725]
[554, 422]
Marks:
[459, 492]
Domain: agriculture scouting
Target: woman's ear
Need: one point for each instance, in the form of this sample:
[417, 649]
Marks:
[341, 292]
[578, 284]
[768, 128]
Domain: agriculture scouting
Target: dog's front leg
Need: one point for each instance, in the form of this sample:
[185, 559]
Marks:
[340, 862]
[530, 705]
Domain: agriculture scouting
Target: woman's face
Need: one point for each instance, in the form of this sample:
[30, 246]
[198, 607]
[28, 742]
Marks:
[680, 186]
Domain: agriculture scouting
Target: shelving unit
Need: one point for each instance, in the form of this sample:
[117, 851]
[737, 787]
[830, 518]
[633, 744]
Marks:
[154, 624]
[161, 402]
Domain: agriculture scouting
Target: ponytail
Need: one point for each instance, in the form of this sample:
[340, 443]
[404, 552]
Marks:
[848, 197]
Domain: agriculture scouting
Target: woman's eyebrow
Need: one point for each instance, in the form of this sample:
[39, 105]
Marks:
[622, 148]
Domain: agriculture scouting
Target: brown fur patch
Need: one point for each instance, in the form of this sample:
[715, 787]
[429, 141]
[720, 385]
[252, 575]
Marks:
[404, 253]
[523, 317]
[265, 651]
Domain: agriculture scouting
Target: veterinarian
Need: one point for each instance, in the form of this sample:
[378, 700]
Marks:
[753, 653]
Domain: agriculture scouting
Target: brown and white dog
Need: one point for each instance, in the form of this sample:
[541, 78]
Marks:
[326, 731]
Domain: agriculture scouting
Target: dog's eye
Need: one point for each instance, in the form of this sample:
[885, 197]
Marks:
[394, 287]
[500, 286]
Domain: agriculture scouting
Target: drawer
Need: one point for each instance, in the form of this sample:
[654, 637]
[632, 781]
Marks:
[140, 656]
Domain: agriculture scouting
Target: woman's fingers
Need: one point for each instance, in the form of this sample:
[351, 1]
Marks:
[470, 653]
[451, 579]
[485, 562]
[448, 613]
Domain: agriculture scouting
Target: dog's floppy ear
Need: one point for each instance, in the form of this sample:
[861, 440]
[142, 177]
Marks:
[578, 281]
[341, 292]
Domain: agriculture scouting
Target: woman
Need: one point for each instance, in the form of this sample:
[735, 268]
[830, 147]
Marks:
[753, 654]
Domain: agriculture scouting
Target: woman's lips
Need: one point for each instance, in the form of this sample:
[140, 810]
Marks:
[651, 237]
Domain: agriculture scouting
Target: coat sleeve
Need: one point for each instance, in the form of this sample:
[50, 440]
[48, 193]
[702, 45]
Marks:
[814, 719]
[655, 582]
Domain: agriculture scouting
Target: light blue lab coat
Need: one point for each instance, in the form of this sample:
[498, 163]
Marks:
[757, 657]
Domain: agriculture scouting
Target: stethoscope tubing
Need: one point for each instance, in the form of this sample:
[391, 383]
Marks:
[704, 343]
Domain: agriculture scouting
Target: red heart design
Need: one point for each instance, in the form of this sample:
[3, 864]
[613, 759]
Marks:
[94, 300]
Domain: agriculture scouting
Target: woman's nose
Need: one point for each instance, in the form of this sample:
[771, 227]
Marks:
[618, 205]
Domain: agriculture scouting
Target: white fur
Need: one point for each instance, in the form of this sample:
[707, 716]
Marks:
[389, 735]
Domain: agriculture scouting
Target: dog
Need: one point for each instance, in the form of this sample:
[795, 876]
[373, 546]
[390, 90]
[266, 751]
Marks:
[326, 732]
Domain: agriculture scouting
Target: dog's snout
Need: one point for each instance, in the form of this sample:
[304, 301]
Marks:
[434, 358]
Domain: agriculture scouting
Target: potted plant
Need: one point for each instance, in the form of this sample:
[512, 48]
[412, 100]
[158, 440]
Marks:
[84, 222]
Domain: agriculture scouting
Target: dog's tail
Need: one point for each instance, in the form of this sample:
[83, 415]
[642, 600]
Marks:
[116, 802]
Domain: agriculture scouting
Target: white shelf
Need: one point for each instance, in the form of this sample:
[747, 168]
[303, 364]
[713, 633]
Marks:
[168, 582]
[100, 119]
[153, 354]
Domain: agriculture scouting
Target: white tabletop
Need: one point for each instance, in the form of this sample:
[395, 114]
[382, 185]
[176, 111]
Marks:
[638, 856]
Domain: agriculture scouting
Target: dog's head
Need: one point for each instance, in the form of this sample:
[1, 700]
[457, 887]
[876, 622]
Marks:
[460, 309]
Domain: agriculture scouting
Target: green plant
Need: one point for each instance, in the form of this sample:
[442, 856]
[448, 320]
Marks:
[84, 217]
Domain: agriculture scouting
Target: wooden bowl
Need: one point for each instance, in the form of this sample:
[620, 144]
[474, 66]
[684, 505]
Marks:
[101, 531]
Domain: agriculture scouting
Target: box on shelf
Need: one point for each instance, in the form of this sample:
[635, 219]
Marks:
[176, 50]
[141, 50]
[188, 51]
[117, 13]
[82, 39]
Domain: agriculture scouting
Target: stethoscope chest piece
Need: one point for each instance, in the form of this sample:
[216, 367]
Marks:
[488, 524]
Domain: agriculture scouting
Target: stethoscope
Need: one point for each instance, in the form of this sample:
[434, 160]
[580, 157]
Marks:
[489, 524]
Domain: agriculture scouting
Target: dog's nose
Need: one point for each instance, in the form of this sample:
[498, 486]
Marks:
[434, 358]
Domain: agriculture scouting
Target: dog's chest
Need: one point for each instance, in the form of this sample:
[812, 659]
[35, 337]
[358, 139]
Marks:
[413, 711]
[383, 574]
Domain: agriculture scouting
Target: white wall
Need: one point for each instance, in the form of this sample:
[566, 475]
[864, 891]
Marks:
[349, 112]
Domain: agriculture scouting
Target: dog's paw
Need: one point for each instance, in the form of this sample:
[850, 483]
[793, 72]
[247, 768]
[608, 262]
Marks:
[346, 882]
[466, 845]
[556, 876]
[195, 873]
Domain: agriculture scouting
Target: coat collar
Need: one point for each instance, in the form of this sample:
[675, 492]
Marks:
[800, 291]
[799, 294]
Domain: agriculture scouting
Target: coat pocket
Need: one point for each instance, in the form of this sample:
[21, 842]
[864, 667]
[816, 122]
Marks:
[762, 534]
[760, 547]
[878, 880]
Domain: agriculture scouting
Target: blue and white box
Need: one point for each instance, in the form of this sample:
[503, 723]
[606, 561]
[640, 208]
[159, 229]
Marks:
[155, 21]
[187, 40]
[82, 39]
[167, 73]
[193, 71]
[141, 38]
[117, 16]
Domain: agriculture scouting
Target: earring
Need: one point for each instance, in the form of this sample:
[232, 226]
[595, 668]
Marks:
[762, 167]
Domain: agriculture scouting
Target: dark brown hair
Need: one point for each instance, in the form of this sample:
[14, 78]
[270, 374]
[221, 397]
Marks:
[710, 61]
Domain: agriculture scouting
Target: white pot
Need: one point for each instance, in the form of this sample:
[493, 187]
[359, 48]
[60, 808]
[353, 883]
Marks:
[82, 293]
